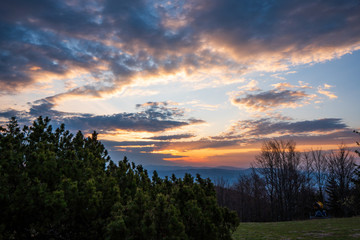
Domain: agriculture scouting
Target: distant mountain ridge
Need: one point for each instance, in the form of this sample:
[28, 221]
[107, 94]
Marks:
[228, 174]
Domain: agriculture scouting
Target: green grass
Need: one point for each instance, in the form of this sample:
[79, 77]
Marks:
[333, 228]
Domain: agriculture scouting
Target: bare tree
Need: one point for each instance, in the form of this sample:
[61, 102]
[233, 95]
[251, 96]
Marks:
[307, 168]
[342, 170]
[279, 165]
[252, 198]
[307, 192]
[221, 186]
[320, 171]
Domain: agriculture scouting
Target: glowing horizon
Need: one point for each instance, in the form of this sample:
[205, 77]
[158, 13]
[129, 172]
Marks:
[185, 82]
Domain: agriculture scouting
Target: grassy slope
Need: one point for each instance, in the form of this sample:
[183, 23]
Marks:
[333, 228]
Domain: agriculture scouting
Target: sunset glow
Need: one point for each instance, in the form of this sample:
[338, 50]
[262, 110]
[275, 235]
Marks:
[198, 83]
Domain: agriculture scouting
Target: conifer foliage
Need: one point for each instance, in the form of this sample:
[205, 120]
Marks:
[56, 185]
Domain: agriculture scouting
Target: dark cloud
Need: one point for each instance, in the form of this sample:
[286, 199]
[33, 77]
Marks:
[140, 155]
[44, 108]
[272, 26]
[48, 36]
[264, 127]
[320, 125]
[153, 117]
[26, 53]
[172, 137]
[269, 100]
[9, 113]
[247, 133]
[123, 121]
[134, 20]
[68, 17]
[129, 37]
[160, 110]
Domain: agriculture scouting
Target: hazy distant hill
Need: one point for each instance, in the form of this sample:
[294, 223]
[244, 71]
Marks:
[229, 174]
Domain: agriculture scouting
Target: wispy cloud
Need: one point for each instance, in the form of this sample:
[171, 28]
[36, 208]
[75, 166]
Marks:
[324, 90]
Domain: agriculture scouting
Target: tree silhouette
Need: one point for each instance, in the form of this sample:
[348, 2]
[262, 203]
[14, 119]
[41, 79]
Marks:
[279, 164]
[356, 181]
[341, 171]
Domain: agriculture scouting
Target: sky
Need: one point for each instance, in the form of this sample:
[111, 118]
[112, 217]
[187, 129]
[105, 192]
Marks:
[185, 82]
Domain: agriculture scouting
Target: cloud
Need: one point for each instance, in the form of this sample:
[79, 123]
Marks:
[172, 137]
[111, 41]
[279, 33]
[7, 114]
[131, 122]
[267, 128]
[138, 152]
[323, 90]
[239, 144]
[160, 110]
[117, 42]
[284, 95]
[251, 86]
[270, 100]
[282, 85]
[101, 48]
[153, 117]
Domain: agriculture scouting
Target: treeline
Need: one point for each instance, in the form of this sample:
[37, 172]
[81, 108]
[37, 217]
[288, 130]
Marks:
[56, 185]
[285, 183]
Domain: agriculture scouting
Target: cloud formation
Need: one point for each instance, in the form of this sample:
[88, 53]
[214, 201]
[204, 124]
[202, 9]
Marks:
[114, 43]
[289, 31]
[264, 127]
[105, 48]
[172, 137]
[153, 117]
[284, 95]
[238, 145]
[324, 90]
[270, 100]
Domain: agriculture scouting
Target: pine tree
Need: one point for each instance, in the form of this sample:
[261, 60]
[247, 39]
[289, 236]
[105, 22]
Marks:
[56, 185]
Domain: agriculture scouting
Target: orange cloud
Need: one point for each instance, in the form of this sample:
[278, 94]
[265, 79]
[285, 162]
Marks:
[327, 93]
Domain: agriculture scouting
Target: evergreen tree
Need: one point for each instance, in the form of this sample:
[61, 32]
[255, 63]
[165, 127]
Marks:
[56, 185]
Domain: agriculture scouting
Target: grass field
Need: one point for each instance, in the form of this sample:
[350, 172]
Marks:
[333, 228]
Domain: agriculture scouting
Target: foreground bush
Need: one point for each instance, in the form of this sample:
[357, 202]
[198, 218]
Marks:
[54, 185]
